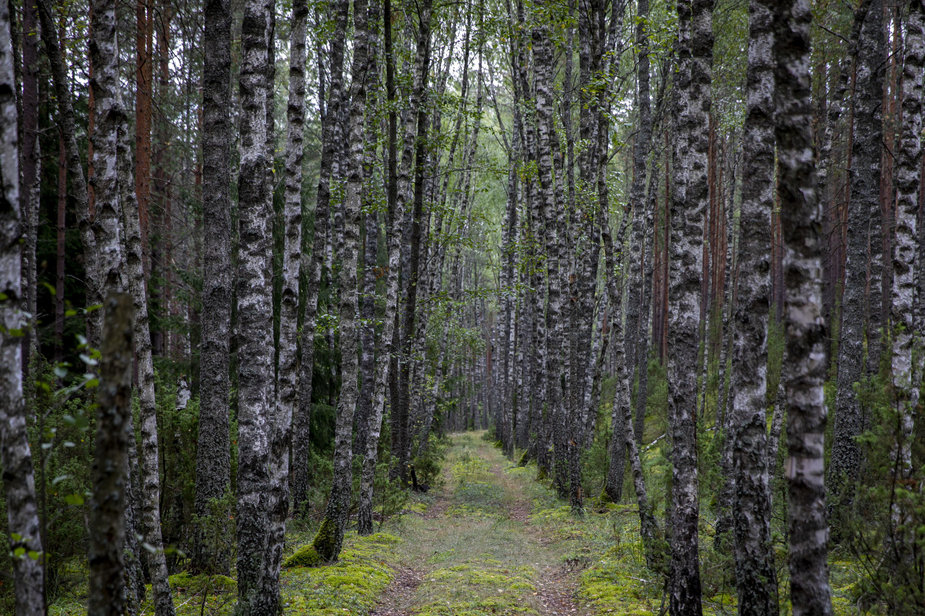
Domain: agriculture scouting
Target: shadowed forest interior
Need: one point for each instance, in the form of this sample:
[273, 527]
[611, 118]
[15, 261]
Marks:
[398, 307]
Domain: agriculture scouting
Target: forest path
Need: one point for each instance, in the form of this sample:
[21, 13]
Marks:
[475, 549]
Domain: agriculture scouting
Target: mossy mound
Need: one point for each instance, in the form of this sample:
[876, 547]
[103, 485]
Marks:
[349, 586]
[195, 584]
[306, 556]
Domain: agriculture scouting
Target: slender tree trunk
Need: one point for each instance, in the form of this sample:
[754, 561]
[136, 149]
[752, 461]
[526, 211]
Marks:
[330, 536]
[689, 198]
[417, 116]
[905, 264]
[751, 510]
[150, 473]
[144, 62]
[287, 389]
[805, 328]
[110, 464]
[330, 135]
[15, 455]
[255, 321]
[213, 452]
[79, 189]
[60, 247]
[845, 462]
[30, 168]
[553, 215]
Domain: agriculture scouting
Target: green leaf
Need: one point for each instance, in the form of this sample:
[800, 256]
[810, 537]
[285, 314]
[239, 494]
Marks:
[19, 552]
[74, 499]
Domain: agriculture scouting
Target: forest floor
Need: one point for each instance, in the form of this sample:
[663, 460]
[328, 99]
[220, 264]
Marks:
[488, 538]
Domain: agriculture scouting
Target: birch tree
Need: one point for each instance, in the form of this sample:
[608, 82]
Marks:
[213, 452]
[804, 325]
[751, 510]
[255, 321]
[689, 198]
[15, 454]
[330, 536]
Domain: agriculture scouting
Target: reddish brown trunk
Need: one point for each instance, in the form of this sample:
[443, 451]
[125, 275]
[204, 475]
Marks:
[143, 38]
[61, 242]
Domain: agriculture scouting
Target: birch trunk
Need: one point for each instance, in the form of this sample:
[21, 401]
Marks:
[150, 492]
[330, 135]
[110, 472]
[552, 211]
[689, 198]
[213, 452]
[845, 461]
[255, 321]
[804, 325]
[330, 536]
[751, 504]
[287, 386]
[905, 264]
[15, 455]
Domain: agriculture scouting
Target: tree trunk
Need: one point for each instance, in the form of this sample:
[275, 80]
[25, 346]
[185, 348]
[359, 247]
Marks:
[255, 321]
[330, 135]
[416, 116]
[15, 455]
[905, 388]
[804, 326]
[751, 507]
[30, 191]
[107, 593]
[79, 189]
[330, 536]
[150, 474]
[213, 452]
[689, 199]
[845, 463]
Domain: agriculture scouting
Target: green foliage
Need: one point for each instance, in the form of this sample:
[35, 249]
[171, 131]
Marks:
[884, 531]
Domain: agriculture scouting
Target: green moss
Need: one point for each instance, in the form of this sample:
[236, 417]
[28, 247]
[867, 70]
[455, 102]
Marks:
[306, 556]
[351, 585]
[184, 582]
[325, 542]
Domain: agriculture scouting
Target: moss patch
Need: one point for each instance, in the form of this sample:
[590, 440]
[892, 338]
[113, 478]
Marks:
[306, 556]
[351, 585]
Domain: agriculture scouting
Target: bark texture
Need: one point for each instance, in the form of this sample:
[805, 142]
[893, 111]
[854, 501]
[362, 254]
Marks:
[330, 536]
[150, 492]
[689, 198]
[213, 452]
[330, 136]
[110, 474]
[804, 326]
[751, 505]
[905, 264]
[864, 209]
[15, 455]
[255, 321]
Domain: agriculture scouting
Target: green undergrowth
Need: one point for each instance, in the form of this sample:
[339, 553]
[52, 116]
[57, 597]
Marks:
[349, 586]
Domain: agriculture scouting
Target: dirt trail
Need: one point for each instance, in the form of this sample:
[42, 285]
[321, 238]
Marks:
[475, 549]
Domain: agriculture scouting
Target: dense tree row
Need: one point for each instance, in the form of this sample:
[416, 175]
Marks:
[647, 235]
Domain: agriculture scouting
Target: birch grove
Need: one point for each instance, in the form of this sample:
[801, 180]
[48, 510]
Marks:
[392, 307]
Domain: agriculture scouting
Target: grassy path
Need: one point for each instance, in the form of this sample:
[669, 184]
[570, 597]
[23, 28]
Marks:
[474, 550]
